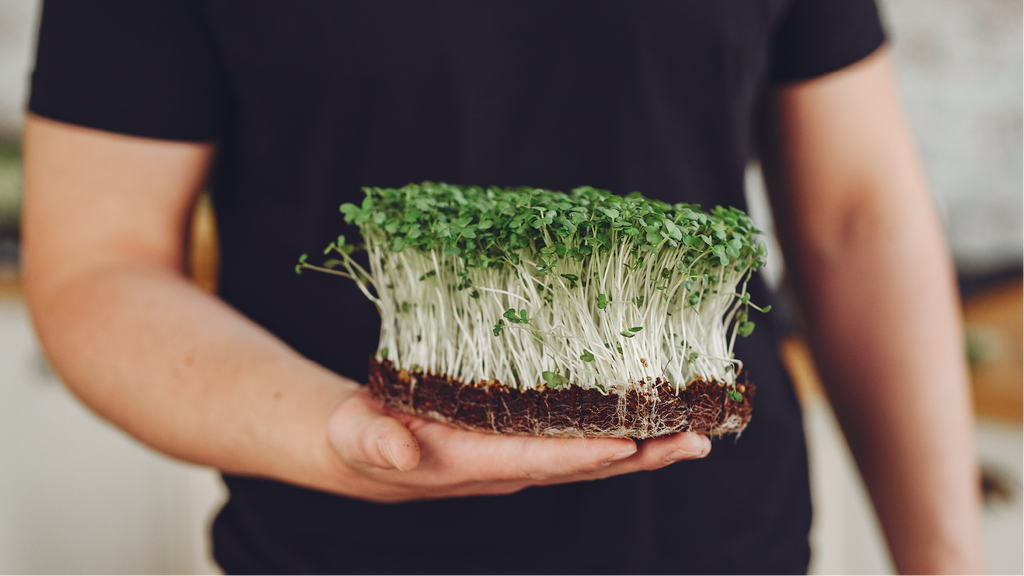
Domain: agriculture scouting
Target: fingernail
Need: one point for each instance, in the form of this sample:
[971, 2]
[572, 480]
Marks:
[699, 451]
[619, 456]
[682, 454]
[385, 451]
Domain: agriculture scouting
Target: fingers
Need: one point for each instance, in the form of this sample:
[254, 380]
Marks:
[663, 451]
[362, 434]
[508, 463]
[496, 458]
[660, 452]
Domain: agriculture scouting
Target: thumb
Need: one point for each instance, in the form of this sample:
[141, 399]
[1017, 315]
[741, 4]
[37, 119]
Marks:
[361, 434]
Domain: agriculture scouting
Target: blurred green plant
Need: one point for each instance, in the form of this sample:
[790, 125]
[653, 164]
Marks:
[10, 187]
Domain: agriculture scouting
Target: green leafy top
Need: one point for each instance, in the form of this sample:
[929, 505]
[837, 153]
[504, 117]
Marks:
[584, 288]
[489, 227]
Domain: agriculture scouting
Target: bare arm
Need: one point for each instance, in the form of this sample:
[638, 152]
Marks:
[876, 281]
[104, 224]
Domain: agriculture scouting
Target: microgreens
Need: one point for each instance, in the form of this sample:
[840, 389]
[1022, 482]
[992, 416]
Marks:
[537, 288]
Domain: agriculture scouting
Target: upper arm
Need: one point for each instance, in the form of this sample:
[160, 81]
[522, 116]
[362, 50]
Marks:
[839, 158]
[95, 199]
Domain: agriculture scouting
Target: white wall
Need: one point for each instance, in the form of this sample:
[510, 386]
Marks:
[17, 41]
[960, 66]
[78, 495]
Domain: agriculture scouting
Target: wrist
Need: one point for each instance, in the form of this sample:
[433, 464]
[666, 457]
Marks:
[310, 459]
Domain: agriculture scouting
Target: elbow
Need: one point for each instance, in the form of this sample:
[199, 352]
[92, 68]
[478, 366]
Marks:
[830, 237]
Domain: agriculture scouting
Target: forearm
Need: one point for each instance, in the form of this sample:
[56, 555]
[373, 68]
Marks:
[881, 314]
[186, 374]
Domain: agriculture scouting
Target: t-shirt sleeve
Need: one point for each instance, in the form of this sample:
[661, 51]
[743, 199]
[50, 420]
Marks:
[816, 37]
[146, 68]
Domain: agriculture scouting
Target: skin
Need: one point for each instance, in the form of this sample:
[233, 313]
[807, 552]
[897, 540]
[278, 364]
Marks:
[104, 224]
[879, 300]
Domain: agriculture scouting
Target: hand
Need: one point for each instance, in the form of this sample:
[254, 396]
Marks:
[394, 458]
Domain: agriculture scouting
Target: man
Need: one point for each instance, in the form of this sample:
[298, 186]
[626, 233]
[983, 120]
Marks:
[286, 110]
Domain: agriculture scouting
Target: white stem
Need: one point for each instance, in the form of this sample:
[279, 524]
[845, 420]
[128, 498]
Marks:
[430, 324]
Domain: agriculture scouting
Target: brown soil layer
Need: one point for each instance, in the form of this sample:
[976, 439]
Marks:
[703, 407]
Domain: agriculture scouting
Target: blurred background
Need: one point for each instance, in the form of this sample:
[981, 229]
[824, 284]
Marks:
[78, 496]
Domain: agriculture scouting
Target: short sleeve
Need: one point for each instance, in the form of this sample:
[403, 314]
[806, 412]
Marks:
[816, 37]
[145, 68]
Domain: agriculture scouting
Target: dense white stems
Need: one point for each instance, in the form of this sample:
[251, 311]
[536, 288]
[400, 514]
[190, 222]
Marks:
[428, 323]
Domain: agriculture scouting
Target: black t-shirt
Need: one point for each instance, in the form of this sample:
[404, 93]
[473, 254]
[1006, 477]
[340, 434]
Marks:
[309, 101]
